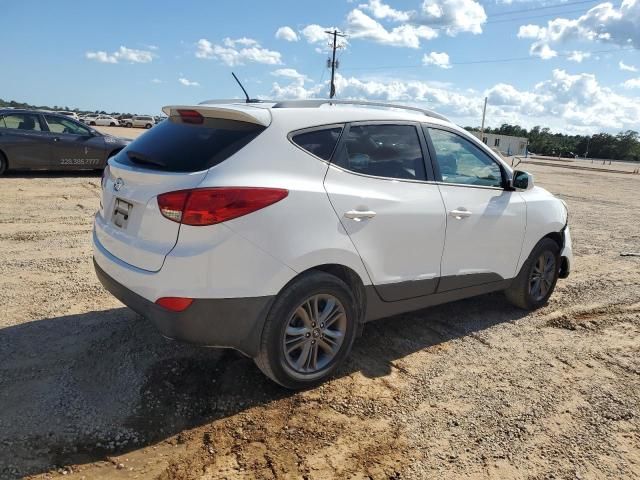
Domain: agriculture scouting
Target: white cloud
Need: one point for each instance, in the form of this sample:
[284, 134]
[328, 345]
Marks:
[381, 10]
[529, 31]
[564, 102]
[578, 56]
[125, 54]
[543, 51]
[370, 21]
[627, 68]
[188, 83]
[362, 26]
[290, 73]
[237, 52]
[603, 23]
[287, 33]
[315, 33]
[101, 56]
[454, 16]
[632, 83]
[438, 59]
[571, 102]
[156, 80]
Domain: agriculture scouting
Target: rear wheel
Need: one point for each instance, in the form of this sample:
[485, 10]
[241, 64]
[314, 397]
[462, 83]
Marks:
[112, 124]
[308, 332]
[147, 126]
[4, 165]
[537, 279]
[129, 125]
[92, 123]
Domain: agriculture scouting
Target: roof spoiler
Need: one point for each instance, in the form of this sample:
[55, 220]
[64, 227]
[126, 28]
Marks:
[228, 111]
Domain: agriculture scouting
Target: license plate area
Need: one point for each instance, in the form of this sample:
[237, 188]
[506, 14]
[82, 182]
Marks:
[121, 213]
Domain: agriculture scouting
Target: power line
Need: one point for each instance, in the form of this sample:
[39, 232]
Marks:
[529, 17]
[495, 60]
[558, 5]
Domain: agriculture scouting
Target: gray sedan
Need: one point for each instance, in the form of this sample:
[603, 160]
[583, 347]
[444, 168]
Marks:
[35, 140]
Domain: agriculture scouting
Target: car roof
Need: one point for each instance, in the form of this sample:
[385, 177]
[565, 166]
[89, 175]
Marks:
[28, 110]
[299, 114]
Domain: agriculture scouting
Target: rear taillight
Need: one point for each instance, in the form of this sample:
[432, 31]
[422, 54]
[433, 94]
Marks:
[175, 304]
[208, 206]
[105, 176]
[191, 116]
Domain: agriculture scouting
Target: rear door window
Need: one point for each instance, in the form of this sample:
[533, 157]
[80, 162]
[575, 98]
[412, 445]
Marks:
[21, 121]
[390, 151]
[320, 143]
[179, 147]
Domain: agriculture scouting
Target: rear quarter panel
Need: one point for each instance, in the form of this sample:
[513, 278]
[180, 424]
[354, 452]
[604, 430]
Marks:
[302, 230]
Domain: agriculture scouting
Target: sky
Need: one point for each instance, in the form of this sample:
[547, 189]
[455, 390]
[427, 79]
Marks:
[570, 65]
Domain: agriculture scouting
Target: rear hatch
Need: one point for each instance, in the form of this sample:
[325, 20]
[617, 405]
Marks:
[175, 155]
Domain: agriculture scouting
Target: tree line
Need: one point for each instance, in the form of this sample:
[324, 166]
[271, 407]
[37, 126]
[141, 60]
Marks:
[55, 108]
[623, 146]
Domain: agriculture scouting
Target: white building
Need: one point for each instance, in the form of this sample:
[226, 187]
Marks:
[506, 144]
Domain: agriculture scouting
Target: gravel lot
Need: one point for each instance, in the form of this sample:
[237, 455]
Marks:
[474, 389]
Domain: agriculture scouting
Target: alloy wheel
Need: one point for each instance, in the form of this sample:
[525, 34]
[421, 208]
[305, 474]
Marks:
[542, 275]
[314, 334]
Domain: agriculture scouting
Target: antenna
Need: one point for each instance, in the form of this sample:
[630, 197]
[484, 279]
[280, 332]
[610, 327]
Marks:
[245, 92]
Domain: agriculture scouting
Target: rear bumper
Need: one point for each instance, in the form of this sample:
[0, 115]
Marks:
[226, 322]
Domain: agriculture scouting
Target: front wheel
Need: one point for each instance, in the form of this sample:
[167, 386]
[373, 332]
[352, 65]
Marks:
[147, 126]
[112, 124]
[308, 332]
[537, 279]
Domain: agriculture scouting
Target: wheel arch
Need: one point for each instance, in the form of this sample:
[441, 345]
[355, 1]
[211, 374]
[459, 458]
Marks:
[348, 276]
[4, 155]
[556, 237]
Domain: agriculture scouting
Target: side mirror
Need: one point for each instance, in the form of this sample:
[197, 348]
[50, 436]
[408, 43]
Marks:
[522, 180]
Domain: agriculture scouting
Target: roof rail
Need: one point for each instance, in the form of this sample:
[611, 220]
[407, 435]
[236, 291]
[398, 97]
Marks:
[217, 101]
[318, 102]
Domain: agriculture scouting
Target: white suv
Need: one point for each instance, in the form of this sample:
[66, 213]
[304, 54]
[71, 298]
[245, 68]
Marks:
[140, 121]
[279, 229]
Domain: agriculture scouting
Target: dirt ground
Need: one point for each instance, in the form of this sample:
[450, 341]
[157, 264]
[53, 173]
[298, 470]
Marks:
[474, 389]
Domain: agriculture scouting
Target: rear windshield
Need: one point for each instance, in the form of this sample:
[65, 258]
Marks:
[179, 147]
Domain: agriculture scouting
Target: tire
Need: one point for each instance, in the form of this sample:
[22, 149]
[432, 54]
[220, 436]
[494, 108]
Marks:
[92, 123]
[129, 125]
[331, 342]
[4, 165]
[112, 124]
[543, 264]
[147, 126]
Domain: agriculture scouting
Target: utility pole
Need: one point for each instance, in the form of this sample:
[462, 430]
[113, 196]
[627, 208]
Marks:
[484, 112]
[332, 63]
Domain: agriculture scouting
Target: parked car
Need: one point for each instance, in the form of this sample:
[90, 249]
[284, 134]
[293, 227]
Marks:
[140, 121]
[279, 229]
[90, 117]
[73, 115]
[34, 140]
[104, 120]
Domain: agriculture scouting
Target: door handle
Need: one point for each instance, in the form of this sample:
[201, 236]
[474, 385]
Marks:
[56, 139]
[359, 215]
[459, 214]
